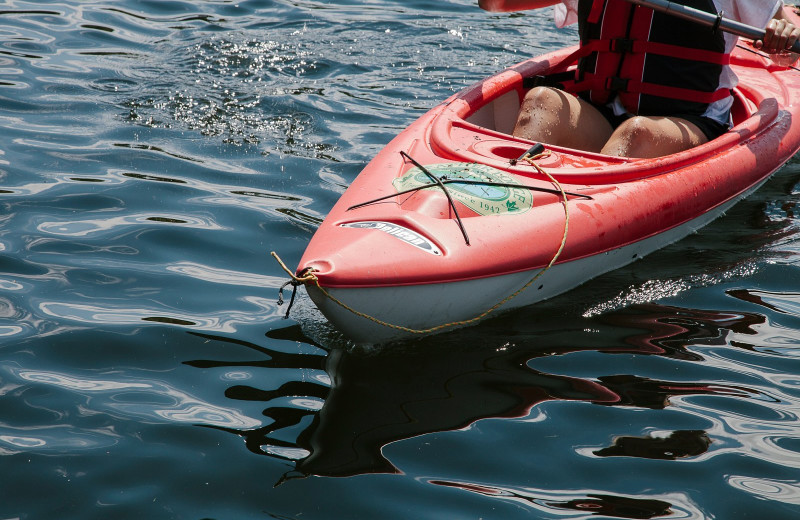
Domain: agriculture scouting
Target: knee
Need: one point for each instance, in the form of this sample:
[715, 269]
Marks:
[543, 97]
[639, 137]
[637, 129]
[633, 138]
[543, 106]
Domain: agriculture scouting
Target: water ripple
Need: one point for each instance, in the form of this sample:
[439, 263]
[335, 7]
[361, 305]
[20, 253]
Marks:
[586, 504]
[54, 439]
[82, 228]
[224, 276]
[118, 315]
[785, 492]
[74, 383]
[140, 399]
[756, 432]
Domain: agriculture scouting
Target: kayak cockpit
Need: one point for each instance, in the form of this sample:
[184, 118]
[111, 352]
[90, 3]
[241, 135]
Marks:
[476, 125]
[500, 114]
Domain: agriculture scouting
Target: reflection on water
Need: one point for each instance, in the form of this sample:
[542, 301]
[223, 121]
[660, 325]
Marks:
[291, 403]
[339, 422]
[782, 302]
[149, 401]
[679, 444]
[669, 330]
[786, 492]
[115, 313]
[587, 504]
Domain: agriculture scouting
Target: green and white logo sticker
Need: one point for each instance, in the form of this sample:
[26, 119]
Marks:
[483, 199]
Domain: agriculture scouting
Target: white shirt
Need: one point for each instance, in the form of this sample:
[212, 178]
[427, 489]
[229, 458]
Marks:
[751, 12]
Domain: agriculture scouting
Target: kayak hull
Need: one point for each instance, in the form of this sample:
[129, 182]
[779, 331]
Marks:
[504, 233]
[409, 306]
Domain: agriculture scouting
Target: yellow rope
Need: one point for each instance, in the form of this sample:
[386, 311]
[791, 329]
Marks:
[309, 277]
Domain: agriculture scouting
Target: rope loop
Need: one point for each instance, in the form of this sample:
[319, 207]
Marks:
[305, 276]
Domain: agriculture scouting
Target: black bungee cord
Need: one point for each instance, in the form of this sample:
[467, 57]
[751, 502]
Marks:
[442, 182]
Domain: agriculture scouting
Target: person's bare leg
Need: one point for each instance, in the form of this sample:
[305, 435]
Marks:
[645, 137]
[551, 116]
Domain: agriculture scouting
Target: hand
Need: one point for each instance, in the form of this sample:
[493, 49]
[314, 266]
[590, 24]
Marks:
[779, 36]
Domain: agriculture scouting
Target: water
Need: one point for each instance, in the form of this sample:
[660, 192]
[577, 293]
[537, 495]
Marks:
[154, 152]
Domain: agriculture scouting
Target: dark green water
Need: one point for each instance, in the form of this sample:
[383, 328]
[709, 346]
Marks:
[154, 152]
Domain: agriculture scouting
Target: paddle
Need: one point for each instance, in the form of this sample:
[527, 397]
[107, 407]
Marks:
[717, 21]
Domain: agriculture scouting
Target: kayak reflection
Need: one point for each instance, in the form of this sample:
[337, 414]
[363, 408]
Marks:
[393, 395]
[373, 398]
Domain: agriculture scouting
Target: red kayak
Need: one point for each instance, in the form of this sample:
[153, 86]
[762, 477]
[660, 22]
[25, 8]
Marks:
[456, 220]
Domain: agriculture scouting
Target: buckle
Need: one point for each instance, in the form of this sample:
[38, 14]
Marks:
[621, 45]
[535, 81]
[616, 84]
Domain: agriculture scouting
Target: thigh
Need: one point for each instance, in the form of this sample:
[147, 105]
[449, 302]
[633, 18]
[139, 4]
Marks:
[644, 136]
[556, 117]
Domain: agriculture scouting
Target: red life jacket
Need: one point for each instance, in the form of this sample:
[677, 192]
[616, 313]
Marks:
[656, 63]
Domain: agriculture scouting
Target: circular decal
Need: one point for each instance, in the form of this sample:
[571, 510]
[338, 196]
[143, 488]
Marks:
[483, 199]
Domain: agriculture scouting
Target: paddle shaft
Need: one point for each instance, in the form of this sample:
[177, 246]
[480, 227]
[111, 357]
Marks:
[709, 19]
